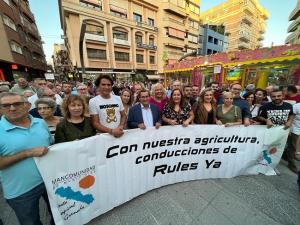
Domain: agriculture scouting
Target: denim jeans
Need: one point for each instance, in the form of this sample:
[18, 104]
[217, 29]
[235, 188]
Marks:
[26, 206]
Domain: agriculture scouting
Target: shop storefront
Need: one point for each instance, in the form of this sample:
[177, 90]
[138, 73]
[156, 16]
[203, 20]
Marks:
[266, 66]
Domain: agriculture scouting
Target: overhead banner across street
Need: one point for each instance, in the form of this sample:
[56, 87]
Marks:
[87, 178]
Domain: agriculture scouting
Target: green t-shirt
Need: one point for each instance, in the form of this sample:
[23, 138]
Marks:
[233, 115]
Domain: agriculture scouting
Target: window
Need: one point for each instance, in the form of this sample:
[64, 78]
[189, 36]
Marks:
[151, 40]
[210, 39]
[138, 38]
[15, 47]
[9, 22]
[93, 4]
[93, 29]
[96, 53]
[194, 8]
[192, 38]
[122, 56]
[120, 34]
[194, 24]
[221, 43]
[151, 22]
[139, 58]
[152, 59]
[175, 33]
[137, 17]
[117, 11]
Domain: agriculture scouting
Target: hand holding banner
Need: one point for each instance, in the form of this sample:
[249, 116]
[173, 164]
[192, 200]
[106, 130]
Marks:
[87, 178]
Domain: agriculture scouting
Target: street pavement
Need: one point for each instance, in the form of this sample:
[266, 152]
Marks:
[247, 200]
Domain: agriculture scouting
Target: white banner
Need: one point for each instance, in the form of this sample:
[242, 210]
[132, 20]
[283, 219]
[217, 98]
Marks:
[87, 178]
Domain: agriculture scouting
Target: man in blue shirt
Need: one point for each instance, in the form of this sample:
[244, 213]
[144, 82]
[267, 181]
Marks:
[242, 103]
[22, 138]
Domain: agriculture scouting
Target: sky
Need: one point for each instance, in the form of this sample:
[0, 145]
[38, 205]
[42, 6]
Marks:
[47, 18]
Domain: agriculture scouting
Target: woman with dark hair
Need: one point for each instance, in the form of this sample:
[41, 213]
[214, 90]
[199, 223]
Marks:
[127, 99]
[75, 124]
[205, 109]
[177, 110]
[249, 97]
[260, 97]
[46, 108]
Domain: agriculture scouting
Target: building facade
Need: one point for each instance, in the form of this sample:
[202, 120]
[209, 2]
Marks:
[117, 37]
[127, 37]
[179, 27]
[21, 52]
[212, 40]
[294, 28]
[62, 65]
[245, 22]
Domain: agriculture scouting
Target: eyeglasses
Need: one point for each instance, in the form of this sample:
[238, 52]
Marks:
[15, 105]
[48, 96]
[44, 108]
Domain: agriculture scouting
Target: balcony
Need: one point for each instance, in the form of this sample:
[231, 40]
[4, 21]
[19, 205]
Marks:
[243, 45]
[295, 13]
[244, 37]
[292, 38]
[294, 25]
[262, 30]
[121, 42]
[247, 20]
[174, 42]
[145, 46]
[170, 7]
[95, 37]
[147, 26]
[248, 10]
[260, 38]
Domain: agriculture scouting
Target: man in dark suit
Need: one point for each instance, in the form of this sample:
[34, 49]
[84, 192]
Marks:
[143, 114]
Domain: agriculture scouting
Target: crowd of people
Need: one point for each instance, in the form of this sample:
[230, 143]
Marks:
[40, 113]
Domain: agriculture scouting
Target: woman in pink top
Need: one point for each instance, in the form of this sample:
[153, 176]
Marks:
[158, 96]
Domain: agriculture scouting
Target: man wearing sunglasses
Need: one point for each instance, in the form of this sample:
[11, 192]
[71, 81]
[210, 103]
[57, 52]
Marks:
[22, 138]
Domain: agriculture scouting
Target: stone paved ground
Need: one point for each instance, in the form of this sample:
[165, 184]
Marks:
[252, 200]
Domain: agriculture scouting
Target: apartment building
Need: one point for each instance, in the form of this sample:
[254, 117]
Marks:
[21, 46]
[245, 22]
[294, 28]
[61, 61]
[126, 37]
[179, 27]
[212, 39]
[111, 36]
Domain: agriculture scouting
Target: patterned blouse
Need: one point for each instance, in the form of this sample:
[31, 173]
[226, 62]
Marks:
[180, 116]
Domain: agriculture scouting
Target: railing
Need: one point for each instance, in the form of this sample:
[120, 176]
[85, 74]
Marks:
[294, 25]
[95, 37]
[295, 13]
[145, 25]
[145, 46]
[121, 42]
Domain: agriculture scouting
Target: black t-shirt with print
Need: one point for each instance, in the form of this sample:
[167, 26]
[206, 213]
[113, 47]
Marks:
[279, 115]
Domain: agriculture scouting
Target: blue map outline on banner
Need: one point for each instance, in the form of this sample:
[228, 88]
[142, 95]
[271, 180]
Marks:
[69, 194]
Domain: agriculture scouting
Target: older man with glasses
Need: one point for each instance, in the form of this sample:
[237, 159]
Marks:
[22, 183]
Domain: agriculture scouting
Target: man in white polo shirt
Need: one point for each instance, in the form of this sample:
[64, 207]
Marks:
[107, 110]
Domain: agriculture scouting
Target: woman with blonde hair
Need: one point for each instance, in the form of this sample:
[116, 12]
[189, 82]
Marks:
[205, 109]
[75, 124]
[158, 96]
[227, 113]
[127, 99]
